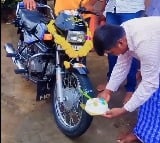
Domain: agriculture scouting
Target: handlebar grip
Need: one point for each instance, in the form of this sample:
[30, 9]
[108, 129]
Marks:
[21, 4]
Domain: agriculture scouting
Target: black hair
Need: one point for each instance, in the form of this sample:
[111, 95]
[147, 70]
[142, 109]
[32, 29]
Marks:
[106, 36]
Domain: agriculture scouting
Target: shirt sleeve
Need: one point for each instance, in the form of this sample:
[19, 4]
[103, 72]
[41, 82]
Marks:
[150, 70]
[120, 71]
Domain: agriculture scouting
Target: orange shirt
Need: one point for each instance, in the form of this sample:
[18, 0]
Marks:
[68, 5]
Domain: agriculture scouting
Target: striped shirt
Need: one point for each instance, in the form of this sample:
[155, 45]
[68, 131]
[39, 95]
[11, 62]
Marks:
[125, 6]
[143, 37]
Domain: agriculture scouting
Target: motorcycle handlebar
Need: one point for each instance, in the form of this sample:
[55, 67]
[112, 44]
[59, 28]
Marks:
[83, 10]
[38, 5]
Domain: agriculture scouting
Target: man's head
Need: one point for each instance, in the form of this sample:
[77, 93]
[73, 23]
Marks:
[110, 39]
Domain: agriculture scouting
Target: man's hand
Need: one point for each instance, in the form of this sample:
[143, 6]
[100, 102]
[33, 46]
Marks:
[115, 112]
[30, 4]
[106, 94]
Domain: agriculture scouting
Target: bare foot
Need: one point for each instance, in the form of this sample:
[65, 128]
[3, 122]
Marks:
[101, 87]
[127, 97]
[127, 138]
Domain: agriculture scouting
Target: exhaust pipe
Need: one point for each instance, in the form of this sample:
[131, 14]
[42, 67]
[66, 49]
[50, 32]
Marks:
[11, 53]
[10, 50]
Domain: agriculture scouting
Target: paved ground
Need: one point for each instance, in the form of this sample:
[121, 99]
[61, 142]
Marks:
[26, 121]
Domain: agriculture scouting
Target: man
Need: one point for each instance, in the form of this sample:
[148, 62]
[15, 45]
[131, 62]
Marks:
[117, 12]
[138, 38]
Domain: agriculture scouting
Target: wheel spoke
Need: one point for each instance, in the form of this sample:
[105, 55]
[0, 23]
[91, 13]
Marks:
[70, 112]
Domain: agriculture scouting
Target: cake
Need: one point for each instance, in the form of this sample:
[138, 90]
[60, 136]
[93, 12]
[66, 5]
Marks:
[96, 106]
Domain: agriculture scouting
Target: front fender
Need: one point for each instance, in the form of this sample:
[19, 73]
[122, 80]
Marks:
[80, 68]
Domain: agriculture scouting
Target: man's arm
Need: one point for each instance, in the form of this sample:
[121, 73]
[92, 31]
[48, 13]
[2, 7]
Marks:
[150, 71]
[120, 71]
[119, 74]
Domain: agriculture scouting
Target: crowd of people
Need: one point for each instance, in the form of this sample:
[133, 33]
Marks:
[130, 37]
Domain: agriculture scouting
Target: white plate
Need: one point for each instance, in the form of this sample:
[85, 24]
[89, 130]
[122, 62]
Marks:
[96, 106]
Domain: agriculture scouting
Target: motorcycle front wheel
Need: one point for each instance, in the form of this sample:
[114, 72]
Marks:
[71, 119]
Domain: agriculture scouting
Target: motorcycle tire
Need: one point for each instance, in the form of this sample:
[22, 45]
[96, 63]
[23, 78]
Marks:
[73, 98]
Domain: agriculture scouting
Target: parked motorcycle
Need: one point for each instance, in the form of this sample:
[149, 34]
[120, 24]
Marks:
[51, 52]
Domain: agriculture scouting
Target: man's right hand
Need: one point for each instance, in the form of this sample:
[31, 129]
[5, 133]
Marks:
[30, 4]
[106, 94]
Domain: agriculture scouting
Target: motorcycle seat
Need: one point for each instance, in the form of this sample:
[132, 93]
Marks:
[30, 19]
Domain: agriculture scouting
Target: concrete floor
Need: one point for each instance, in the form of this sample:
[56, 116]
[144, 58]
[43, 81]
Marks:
[24, 120]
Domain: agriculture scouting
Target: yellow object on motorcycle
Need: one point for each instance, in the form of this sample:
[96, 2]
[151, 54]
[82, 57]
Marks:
[67, 64]
[69, 50]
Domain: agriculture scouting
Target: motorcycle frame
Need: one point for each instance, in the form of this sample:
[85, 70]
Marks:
[56, 56]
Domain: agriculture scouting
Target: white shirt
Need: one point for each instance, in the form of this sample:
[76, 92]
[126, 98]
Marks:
[143, 37]
[124, 6]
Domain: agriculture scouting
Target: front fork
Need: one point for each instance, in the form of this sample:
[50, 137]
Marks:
[59, 77]
[80, 68]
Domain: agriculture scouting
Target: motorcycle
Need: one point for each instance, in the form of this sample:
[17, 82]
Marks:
[51, 53]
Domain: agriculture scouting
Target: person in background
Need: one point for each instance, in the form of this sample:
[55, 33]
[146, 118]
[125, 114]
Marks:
[116, 12]
[99, 19]
[138, 38]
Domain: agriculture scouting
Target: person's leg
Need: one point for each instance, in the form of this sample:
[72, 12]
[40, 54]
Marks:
[111, 18]
[127, 138]
[147, 129]
[148, 125]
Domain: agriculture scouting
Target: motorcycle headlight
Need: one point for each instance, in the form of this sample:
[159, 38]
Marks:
[76, 36]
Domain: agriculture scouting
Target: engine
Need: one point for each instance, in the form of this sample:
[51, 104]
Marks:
[38, 64]
[35, 60]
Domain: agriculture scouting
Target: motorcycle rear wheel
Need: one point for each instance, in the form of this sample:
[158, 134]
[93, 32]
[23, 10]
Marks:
[70, 118]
